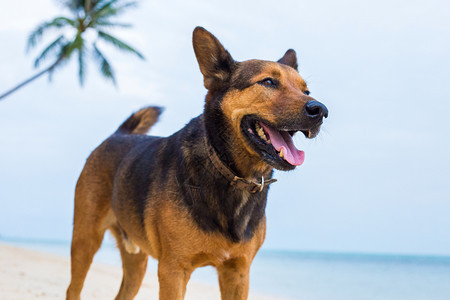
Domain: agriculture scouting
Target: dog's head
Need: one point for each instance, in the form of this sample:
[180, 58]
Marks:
[262, 103]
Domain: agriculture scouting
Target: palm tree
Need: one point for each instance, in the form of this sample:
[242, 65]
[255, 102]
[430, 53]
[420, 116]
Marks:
[87, 15]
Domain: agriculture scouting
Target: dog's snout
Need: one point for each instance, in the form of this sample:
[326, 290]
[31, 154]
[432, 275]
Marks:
[315, 109]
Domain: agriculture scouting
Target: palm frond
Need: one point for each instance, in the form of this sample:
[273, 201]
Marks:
[80, 8]
[66, 52]
[49, 49]
[81, 65]
[86, 5]
[111, 8]
[73, 5]
[101, 5]
[105, 67]
[108, 24]
[62, 58]
[118, 43]
[106, 10]
[77, 43]
[36, 35]
[62, 21]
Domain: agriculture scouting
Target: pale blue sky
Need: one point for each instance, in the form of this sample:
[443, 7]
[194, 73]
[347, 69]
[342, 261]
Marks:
[377, 178]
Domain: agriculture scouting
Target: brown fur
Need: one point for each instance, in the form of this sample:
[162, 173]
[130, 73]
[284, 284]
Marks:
[164, 198]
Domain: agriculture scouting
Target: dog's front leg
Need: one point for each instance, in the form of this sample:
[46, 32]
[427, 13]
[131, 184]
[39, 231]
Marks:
[172, 280]
[234, 279]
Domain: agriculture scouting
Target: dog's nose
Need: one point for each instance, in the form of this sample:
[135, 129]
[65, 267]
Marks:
[315, 109]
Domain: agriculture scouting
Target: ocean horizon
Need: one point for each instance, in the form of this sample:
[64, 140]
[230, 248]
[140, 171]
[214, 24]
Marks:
[310, 275]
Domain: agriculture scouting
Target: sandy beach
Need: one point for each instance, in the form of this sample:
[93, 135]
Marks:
[29, 274]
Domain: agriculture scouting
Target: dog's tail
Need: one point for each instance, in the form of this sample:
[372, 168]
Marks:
[141, 121]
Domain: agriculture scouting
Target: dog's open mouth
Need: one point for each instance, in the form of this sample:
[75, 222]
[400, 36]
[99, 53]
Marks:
[274, 144]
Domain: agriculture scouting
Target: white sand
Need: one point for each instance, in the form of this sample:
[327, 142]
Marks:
[28, 274]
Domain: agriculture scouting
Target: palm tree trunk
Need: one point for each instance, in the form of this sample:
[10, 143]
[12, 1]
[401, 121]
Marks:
[87, 6]
[31, 78]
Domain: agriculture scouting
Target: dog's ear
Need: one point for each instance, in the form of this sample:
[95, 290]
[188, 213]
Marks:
[289, 59]
[216, 64]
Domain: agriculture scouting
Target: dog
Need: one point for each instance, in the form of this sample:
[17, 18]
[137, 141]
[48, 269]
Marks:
[197, 197]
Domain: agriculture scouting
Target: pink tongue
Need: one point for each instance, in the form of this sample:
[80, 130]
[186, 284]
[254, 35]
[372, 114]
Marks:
[283, 140]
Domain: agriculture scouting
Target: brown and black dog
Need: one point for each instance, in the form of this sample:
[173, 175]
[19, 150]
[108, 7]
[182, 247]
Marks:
[197, 197]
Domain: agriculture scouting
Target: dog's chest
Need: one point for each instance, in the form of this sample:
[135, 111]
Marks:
[242, 199]
[236, 213]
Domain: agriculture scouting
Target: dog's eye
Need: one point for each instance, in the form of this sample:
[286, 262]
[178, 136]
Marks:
[307, 92]
[268, 82]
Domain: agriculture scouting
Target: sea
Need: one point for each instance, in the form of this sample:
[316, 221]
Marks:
[314, 275]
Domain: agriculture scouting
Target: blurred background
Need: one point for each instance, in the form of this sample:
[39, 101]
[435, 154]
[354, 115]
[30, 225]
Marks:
[374, 187]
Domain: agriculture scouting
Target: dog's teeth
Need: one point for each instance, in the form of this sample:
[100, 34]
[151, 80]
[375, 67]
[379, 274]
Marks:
[261, 132]
[309, 133]
[281, 153]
